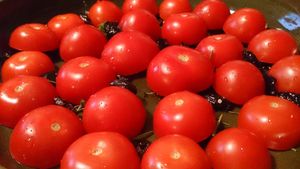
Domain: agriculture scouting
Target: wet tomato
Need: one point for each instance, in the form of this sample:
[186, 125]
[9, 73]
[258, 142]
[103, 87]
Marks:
[169, 7]
[149, 5]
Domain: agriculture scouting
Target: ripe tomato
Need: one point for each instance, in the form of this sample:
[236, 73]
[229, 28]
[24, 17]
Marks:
[239, 81]
[169, 7]
[245, 23]
[26, 63]
[272, 45]
[221, 48]
[102, 11]
[101, 150]
[21, 95]
[149, 5]
[274, 119]
[176, 152]
[42, 136]
[178, 68]
[186, 28]
[62, 23]
[142, 21]
[33, 36]
[213, 12]
[83, 40]
[114, 109]
[81, 77]
[184, 113]
[129, 52]
[238, 149]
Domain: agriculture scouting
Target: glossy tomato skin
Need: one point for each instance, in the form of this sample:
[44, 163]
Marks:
[213, 12]
[42, 136]
[103, 11]
[176, 152]
[149, 5]
[34, 37]
[274, 119]
[21, 95]
[238, 148]
[33, 63]
[101, 150]
[114, 109]
[221, 48]
[239, 81]
[81, 77]
[142, 21]
[128, 57]
[184, 113]
[178, 68]
[272, 45]
[169, 7]
[245, 23]
[184, 28]
[83, 40]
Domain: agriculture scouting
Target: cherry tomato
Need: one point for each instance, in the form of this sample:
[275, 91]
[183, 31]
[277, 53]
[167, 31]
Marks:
[149, 5]
[177, 29]
[81, 77]
[26, 63]
[238, 149]
[213, 12]
[274, 119]
[245, 23]
[178, 68]
[42, 136]
[129, 52]
[102, 11]
[33, 36]
[116, 109]
[221, 48]
[238, 81]
[83, 40]
[101, 150]
[176, 152]
[142, 21]
[169, 7]
[272, 45]
[21, 95]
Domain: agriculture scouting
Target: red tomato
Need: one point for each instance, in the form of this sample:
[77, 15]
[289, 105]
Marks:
[272, 45]
[169, 7]
[213, 12]
[83, 40]
[33, 36]
[176, 152]
[221, 48]
[274, 119]
[238, 149]
[101, 150]
[129, 52]
[42, 136]
[142, 21]
[184, 113]
[245, 23]
[238, 81]
[178, 68]
[186, 28]
[115, 109]
[26, 63]
[81, 77]
[149, 5]
[287, 74]
[21, 95]
[102, 11]
[62, 23]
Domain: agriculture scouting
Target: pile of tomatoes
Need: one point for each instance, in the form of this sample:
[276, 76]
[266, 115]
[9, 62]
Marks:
[47, 133]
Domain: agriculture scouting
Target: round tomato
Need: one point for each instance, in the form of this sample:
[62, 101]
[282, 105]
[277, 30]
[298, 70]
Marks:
[42, 136]
[169, 7]
[176, 152]
[149, 5]
[26, 63]
[101, 150]
[238, 149]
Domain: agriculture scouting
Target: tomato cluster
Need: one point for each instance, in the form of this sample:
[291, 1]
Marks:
[86, 117]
